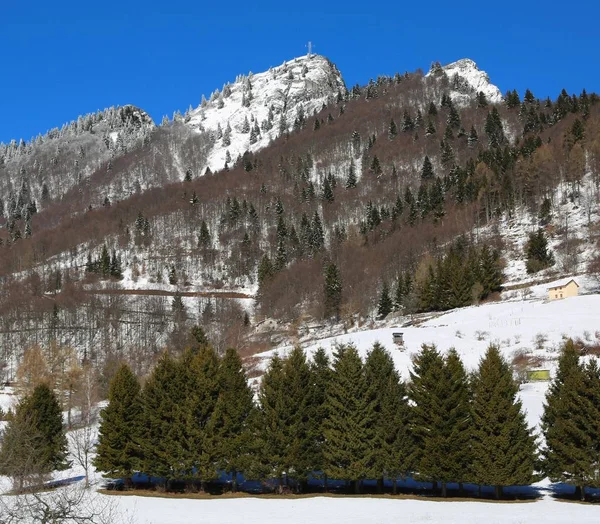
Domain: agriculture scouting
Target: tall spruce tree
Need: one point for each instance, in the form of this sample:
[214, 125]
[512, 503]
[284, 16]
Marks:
[459, 419]
[504, 449]
[385, 304]
[164, 422]
[332, 292]
[230, 426]
[570, 423]
[273, 415]
[321, 375]
[349, 434]
[117, 453]
[390, 453]
[200, 389]
[284, 414]
[440, 417]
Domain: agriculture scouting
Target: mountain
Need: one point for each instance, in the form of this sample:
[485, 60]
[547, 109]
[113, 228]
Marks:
[467, 80]
[65, 158]
[249, 113]
[121, 235]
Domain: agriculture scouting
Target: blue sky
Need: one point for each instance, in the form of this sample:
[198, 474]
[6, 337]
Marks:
[65, 58]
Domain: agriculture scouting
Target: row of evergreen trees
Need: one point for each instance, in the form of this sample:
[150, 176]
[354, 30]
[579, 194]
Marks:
[349, 421]
[463, 276]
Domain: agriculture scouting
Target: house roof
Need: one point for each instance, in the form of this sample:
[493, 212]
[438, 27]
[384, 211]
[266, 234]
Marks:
[563, 283]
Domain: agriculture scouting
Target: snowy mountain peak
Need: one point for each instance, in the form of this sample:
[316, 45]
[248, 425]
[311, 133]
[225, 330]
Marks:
[467, 80]
[248, 114]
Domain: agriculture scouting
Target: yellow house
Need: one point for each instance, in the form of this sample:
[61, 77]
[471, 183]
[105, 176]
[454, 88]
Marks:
[568, 288]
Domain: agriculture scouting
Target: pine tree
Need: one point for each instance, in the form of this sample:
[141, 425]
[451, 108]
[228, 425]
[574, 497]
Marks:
[117, 453]
[390, 454]
[504, 450]
[571, 450]
[428, 417]
[34, 443]
[459, 422]
[317, 237]
[321, 375]
[115, 266]
[430, 129]
[230, 425]
[385, 304]
[272, 417]
[327, 191]
[204, 236]
[332, 292]
[104, 263]
[163, 421]
[392, 130]
[351, 178]
[349, 426]
[538, 255]
[199, 388]
[265, 270]
[427, 170]
[285, 412]
[472, 138]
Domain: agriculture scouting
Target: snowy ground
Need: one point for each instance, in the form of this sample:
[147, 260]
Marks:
[354, 510]
[535, 326]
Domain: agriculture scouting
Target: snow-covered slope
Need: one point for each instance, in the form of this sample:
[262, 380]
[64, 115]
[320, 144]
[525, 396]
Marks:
[249, 113]
[534, 327]
[467, 80]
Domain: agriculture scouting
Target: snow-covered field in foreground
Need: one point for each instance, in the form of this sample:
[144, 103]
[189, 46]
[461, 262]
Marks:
[337, 510]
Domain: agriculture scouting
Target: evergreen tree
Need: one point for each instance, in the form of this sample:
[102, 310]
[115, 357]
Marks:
[427, 170]
[115, 266]
[538, 255]
[504, 450]
[204, 236]
[430, 129]
[440, 417]
[163, 421]
[349, 430]
[265, 270]
[34, 443]
[317, 237]
[332, 292]
[273, 414]
[104, 263]
[199, 388]
[459, 422]
[327, 191]
[390, 454]
[321, 375]
[231, 423]
[117, 452]
[490, 271]
[570, 423]
[351, 179]
[472, 139]
[285, 412]
[392, 130]
[385, 304]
